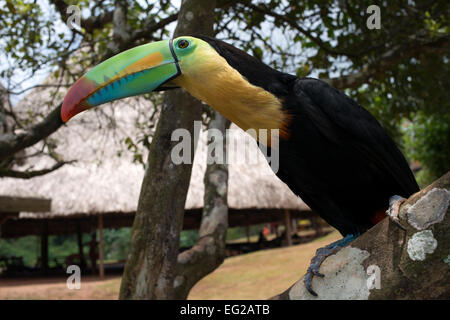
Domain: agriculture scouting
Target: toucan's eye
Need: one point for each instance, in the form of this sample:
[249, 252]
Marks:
[182, 44]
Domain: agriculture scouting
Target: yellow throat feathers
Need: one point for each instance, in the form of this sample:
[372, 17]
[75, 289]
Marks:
[210, 78]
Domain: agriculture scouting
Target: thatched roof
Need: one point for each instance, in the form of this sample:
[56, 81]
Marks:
[101, 181]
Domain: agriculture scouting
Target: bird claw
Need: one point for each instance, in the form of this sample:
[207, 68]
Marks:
[394, 208]
[319, 258]
[308, 282]
[318, 274]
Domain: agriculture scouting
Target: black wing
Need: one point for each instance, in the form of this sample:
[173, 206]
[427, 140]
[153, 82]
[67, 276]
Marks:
[362, 129]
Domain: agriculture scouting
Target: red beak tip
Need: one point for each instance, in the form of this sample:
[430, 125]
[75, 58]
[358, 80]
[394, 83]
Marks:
[65, 112]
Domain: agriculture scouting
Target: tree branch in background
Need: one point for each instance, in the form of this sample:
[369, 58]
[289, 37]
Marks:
[11, 143]
[396, 264]
[294, 25]
[121, 36]
[28, 174]
[389, 59]
[150, 26]
[209, 251]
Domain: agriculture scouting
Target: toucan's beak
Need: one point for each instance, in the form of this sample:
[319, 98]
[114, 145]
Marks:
[136, 71]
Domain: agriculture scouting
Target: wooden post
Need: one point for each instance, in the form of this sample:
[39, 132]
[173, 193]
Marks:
[294, 225]
[44, 247]
[317, 225]
[287, 223]
[80, 245]
[100, 242]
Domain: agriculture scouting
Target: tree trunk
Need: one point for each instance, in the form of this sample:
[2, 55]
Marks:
[389, 263]
[209, 251]
[151, 264]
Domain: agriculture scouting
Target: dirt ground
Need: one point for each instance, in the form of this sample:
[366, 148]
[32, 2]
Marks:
[92, 287]
[257, 275]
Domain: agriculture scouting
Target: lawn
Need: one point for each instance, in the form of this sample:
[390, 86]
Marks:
[257, 275]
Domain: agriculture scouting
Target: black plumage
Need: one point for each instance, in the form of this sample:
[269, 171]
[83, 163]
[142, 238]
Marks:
[337, 158]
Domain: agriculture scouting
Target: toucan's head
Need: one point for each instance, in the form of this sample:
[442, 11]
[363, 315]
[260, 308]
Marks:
[228, 79]
[136, 71]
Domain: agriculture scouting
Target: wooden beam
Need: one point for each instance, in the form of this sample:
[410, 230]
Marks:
[24, 204]
[7, 215]
[288, 224]
[100, 249]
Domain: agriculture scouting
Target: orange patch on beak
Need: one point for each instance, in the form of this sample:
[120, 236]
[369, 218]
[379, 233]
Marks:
[147, 62]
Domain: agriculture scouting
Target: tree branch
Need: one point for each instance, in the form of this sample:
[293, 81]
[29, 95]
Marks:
[150, 26]
[388, 59]
[411, 264]
[121, 36]
[31, 173]
[294, 25]
[11, 143]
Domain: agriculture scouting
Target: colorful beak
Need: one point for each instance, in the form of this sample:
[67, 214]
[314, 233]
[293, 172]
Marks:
[136, 71]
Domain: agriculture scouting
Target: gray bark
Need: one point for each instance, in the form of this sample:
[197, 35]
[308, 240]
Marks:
[11, 143]
[151, 265]
[121, 36]
[411, 264]
[209, 251]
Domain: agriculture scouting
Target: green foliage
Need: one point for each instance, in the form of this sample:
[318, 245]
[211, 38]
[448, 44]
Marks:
[188, 238]
[116, 244]
[427, 139]
[25, 247]
[241, 232]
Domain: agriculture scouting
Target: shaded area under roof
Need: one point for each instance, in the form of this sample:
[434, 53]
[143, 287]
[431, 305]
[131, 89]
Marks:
[73, 224]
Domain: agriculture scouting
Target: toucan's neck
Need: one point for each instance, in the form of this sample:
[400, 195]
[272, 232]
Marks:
[228, 92]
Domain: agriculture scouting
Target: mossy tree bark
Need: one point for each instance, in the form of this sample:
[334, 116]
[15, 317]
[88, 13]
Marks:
[387, 262]
[209, 251]
[151, 264]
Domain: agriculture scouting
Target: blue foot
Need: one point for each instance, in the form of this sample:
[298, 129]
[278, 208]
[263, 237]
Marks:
[319, 258]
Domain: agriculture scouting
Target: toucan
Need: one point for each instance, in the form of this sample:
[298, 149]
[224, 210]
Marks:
[333, 153]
